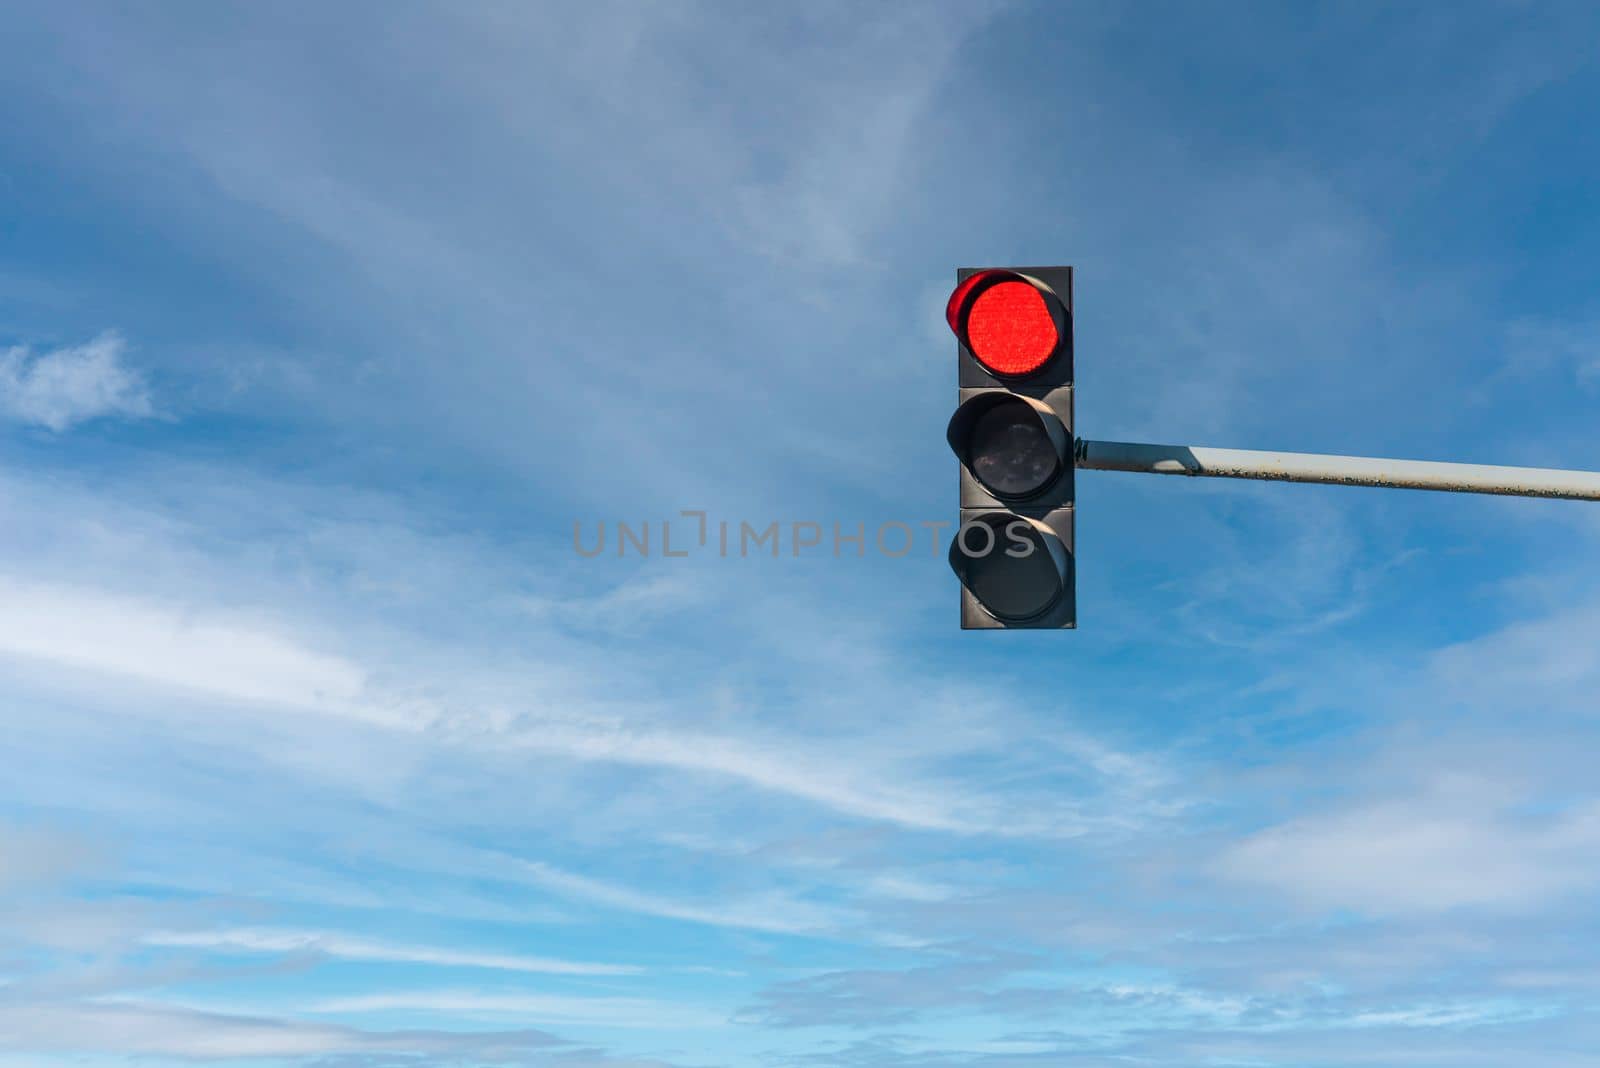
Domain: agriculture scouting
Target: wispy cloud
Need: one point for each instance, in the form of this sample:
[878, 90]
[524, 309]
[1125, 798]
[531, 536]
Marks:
[170, 645]
[30, 856]
[346, 947]
[62, 387]
[551, 1008]
[774, 913]
[157, 1030]
[1426, 855]
[207, 650]
[781, 767]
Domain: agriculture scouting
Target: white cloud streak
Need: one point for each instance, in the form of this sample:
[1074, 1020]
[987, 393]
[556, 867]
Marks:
[347, 947]
[157, 1030]
[168, 645]
[206, 651]
[1423, 855]
[29, 856]
[776, 914]
[63, 387]
[545, 1008]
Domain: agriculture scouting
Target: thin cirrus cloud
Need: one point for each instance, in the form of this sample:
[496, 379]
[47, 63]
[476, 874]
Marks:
[205, 651]
[1422, 855]
[153, 1029]
[347, 947]
[775, 914]
[240, 660]
[91, 629]
[62, 387]
[545, 1008]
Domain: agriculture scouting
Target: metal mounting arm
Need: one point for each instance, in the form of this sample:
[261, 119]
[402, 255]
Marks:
[1336, 470]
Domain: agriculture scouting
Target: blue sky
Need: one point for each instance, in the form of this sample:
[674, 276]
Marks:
[321, 326]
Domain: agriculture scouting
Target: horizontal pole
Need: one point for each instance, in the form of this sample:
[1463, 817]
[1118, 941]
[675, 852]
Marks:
[1336, 470]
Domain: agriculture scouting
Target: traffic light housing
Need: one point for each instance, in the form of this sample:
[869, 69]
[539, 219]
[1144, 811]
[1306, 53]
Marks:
[1012, 433]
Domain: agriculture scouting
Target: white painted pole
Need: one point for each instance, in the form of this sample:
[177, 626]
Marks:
[1336, 470]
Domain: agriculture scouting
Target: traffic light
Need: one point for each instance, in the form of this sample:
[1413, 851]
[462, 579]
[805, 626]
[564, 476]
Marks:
[1012, 433]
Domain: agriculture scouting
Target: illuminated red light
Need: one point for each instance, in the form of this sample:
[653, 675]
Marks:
[1010, 330]
[1006, 321]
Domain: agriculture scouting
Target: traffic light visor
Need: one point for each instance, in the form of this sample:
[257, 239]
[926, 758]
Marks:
[1012, 324]
[1015, 446]
[1016, 568]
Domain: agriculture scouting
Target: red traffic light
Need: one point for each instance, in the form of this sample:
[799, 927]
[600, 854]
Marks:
[1012, 324]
